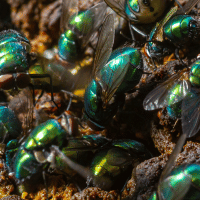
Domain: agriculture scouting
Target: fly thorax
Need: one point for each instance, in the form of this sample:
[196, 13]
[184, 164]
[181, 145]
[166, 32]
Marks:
[81, 23]
[194, 73]
[67, 46]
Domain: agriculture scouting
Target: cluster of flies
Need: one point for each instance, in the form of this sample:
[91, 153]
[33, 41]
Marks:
[101, 161]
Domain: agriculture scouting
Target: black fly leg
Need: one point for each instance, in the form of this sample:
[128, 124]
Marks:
[33, 89]
[45, 182]
[51, 85]
[137, 30]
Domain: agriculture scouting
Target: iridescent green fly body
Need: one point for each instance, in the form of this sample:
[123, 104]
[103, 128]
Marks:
[182, 183]
[114, 74]
[78, 27]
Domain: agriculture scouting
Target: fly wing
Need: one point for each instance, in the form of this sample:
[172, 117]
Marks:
[190, 126]
[61, 74]
[118, 157]
[104, 45]
[98, 15]
[118, 6]
[160, 96]
[179, 191]
[22, 105]
[158, 35]
[85, 172]
[191, 113]
[111, 81]
[69, 8]
[188, 7]
[168, 168]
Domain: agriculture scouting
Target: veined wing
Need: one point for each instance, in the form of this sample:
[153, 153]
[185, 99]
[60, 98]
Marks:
[158, 35]
[98, 15]
[191, 113]
[111, 77]
[118, 6]
[22, 105]
[188, 7]
[166, 93]
[163, 181]
[104, 45]
[69, 8]
[85, 172]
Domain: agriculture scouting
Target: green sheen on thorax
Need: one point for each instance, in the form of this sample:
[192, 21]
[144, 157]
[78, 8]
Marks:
[195, 74]
[181, 29]
[83, 22]
[45, 134]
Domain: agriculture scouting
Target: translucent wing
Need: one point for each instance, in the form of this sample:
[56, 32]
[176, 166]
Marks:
[69, 8]
[191, 113]
[98, 14]
[188, 7]
[22, 105]
[162, 95]
[100, 181]
[158, 35]
[104, 45]
[61, 75]
[118, 6]
[112, 77]
[178, 190]
[117, 157]
[168, 168]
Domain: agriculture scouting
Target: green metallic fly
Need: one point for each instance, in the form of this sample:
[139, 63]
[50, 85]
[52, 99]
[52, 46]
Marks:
[111, 165]
[175, 31]
[114, 74]
[78, 28]
[180, 94]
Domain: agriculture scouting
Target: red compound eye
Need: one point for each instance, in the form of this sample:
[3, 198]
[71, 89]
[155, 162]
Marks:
[7, 81]
[23, 80]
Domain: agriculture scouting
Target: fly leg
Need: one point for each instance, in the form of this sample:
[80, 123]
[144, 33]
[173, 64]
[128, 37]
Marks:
[178, 57]
[31, 86]
[137, 30]
[45, 182]
[41, 94]
[51, 85]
